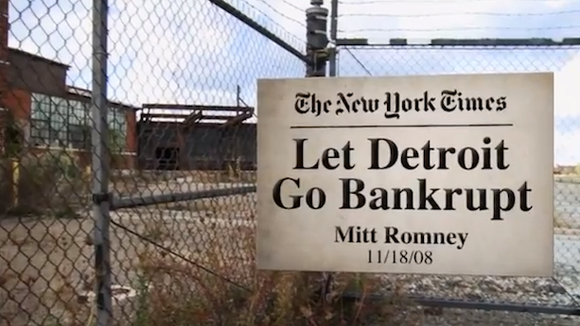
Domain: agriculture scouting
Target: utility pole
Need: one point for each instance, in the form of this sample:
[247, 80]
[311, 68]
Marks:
[332, 52]
[316, 39]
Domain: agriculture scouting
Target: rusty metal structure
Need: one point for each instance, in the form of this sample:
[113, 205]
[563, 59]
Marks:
[195, 137]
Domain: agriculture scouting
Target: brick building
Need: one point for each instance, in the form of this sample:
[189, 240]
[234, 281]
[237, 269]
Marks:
[3, 65]
[49, 114]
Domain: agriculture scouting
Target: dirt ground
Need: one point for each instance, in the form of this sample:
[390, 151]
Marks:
[46, 263]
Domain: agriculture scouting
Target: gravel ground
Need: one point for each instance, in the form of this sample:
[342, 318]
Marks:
[562, 290]
[38, 255]
[46, 263]
[455, 317]
[65, 251]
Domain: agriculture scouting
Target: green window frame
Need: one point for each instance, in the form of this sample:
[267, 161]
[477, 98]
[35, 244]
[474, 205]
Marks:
[56, 121]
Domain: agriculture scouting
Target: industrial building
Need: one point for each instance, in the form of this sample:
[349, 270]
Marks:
[199, 137]
[38, 109]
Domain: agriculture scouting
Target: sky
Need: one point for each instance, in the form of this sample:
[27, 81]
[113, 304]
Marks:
[192, 52]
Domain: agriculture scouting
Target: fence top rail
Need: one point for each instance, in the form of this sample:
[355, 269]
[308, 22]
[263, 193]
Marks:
[523, 42]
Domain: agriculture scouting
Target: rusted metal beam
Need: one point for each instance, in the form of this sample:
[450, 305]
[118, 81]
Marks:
[236, 120]
[193, 118]
[187, 107]
[163, 115]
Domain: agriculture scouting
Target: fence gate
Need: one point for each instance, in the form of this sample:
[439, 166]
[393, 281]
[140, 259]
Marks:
[130, 236]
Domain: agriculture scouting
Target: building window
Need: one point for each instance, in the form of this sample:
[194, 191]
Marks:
[117, 129]
[78, 136]
[67, 123]
[40, 132]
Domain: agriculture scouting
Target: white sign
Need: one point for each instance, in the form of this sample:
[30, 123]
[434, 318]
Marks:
[428, 174]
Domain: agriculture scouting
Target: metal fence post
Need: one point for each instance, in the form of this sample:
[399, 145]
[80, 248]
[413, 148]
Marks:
[316, 39]
[333, 34]
[317, 55]
[100, 164]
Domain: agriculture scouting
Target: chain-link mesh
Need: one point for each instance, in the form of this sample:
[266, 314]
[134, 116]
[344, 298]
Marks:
[564, 61]
[179, 161]
[181, 149]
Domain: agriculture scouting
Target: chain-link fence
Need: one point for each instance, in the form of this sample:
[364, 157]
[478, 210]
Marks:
[128, 143]
[561, 294]
[127, 170]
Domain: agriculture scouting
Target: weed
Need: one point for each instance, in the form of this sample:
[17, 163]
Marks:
[143, 308]
[173, 287]
[179, 293]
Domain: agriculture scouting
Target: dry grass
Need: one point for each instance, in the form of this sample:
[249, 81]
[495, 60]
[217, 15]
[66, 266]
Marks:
[567, 178]
[180, 294]
[565, 223]
[559, 222]
[50, 183]
[164, 254]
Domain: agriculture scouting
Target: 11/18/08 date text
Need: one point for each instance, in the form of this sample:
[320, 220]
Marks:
[403, 257]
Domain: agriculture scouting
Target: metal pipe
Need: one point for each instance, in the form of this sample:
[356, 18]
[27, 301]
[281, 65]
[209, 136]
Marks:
[258, 28]
[137, 201]
[100, 165]
[316, 39]
[333, 34]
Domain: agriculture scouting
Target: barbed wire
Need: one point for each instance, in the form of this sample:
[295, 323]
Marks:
[451, 47]
[445, 14]
[457, 29]
[260, 16]
[380, 2]
[290, 4]
[285, 16]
